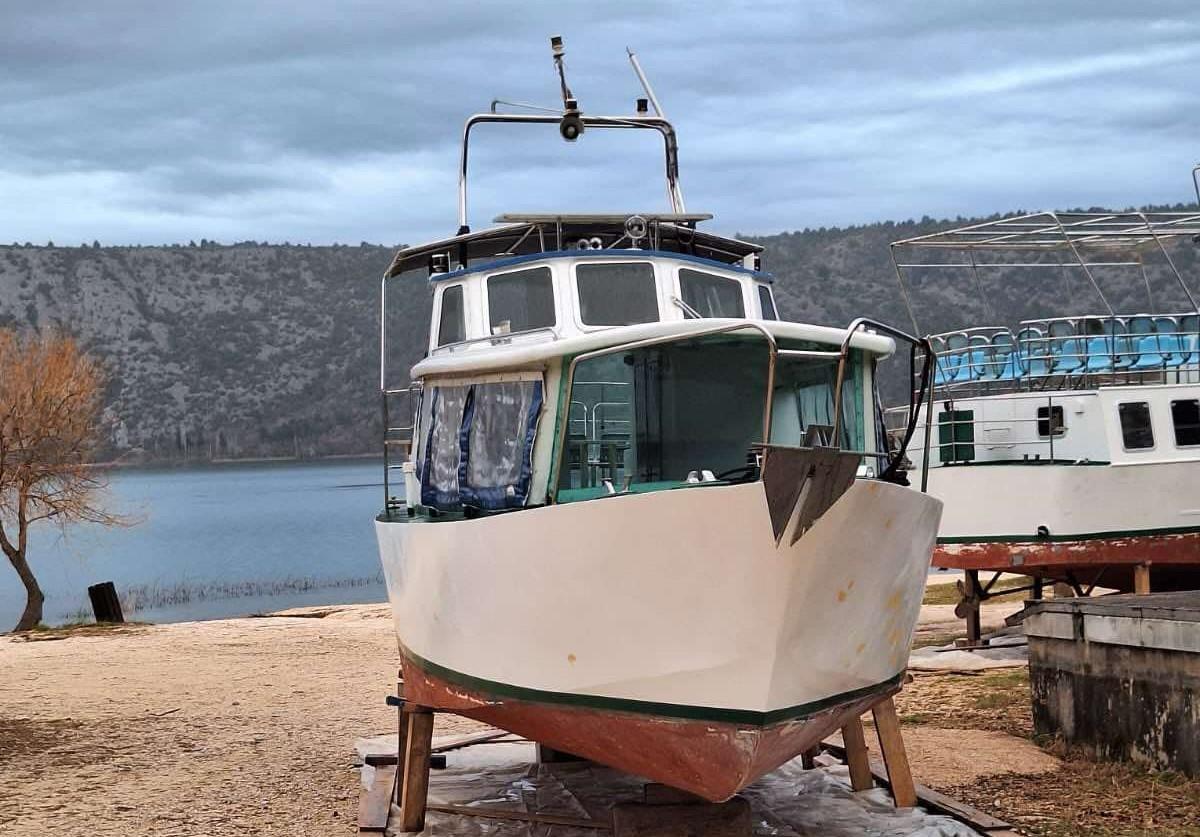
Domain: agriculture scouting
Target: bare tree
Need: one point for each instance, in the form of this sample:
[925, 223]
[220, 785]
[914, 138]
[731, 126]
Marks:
[50, 409]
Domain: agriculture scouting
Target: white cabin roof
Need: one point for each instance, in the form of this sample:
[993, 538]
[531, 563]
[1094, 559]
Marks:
[538, 349]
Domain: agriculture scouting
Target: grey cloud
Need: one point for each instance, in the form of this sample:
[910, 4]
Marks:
[150, 121]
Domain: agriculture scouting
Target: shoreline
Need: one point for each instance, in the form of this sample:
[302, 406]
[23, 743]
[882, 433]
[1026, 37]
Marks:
[123, 464]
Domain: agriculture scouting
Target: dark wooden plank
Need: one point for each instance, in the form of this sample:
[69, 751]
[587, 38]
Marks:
[375, 802]
[106, 605]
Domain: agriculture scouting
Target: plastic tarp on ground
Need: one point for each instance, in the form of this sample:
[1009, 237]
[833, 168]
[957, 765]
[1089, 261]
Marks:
[789, 802]
[1004, 651]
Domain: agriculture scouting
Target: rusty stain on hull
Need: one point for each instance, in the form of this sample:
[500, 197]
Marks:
[711, 759]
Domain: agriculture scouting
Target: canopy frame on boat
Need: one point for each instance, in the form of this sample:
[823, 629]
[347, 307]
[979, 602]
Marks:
[1090, 240]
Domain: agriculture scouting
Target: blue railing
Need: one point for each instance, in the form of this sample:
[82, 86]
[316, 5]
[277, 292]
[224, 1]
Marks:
[1061, 351]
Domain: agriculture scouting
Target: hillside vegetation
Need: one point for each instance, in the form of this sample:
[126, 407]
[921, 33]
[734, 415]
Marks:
[252, 350]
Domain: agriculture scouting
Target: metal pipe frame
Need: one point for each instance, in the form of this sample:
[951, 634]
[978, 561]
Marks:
[926, 384]
[653, 123]
[1054, 231]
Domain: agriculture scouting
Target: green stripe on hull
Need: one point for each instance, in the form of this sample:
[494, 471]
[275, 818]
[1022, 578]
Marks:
[1085, 536]
[685, 712]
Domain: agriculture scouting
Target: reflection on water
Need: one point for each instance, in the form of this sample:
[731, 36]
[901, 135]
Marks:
[219, 541]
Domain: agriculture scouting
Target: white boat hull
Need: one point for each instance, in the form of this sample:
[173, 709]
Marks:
[673, 604]
[1096, 521]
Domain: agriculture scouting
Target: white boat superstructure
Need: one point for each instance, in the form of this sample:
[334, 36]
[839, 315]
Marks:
[1068, 447]
[640, 518]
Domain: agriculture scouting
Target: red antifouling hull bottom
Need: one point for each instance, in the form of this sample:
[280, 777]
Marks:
[710, 758]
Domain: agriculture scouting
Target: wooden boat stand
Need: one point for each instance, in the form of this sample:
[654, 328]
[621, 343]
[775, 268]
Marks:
[974, 593]
[403, 779]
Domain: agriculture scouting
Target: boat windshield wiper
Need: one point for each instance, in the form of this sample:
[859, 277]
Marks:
[686, 309]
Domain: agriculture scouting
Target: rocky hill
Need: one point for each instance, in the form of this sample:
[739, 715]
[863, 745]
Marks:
[249, 350]
[219, 351]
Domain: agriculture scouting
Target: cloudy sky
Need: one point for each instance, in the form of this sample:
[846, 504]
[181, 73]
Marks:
[160, 121]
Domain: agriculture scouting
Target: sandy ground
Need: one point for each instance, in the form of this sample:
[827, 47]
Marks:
[246, 726]
[232, 727]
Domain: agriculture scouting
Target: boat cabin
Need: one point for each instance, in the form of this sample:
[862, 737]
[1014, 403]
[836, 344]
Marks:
[622, 364]
[547, 296]
[572, 357]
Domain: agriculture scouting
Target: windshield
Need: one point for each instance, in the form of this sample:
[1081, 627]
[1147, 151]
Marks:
[655, 414]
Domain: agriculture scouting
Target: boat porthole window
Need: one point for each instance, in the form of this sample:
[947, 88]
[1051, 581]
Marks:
[766, 303]
[452, 327]
[711, 295]
[1185, 416]
[520, 300]
[1136, 432]
[1049, 419]
[616, 294]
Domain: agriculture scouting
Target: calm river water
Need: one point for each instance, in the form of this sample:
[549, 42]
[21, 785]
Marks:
[220, 541]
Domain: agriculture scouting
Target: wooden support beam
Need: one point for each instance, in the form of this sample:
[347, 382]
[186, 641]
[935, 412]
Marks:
[936, 801]
[895, 758]
[415, 757]
[974, 623]
[401, 746]
[856, 755]
[1141, 579]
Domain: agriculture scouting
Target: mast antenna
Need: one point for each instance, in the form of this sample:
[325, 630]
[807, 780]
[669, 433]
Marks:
[637, 68]
[571, 126]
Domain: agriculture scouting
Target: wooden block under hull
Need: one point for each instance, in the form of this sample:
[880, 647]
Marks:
[712, 759]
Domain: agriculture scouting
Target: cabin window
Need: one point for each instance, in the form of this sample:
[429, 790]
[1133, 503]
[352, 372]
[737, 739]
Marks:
[616, 294]
[452, 327]
[766, 303]
[520, 301]
[1136, 432]
[1050, 421]
[1185, 415]
[500, 422]
[479, 443]
[711, 295]
[802, 413]
[439, 472]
